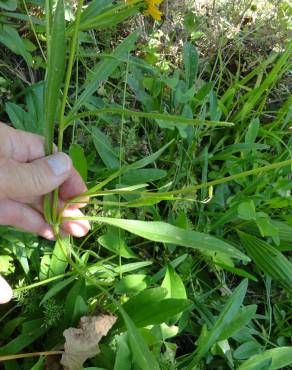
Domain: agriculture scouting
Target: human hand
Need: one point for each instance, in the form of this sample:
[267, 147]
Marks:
[26, 175]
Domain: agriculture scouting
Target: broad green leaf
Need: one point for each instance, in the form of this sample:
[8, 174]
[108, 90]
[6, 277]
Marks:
[281, 357]
[16, 115]
[59, 262]
[265, 226]
[79, 160]
[114, 241]
[131, 284]
[268, 259]
[104, 148]
[75, 304]
[208, 338]
[247, 211]
[166, 233]
[123, 360]
[142, 355]
[174, 284]
[159, 308]
[11, 39]
[247, 349]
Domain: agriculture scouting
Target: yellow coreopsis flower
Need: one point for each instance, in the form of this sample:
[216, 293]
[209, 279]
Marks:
[153, 10]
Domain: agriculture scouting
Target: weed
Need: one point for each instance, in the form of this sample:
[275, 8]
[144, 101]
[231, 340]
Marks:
[188, 173]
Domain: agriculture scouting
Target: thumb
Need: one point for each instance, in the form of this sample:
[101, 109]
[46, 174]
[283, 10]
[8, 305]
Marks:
[35, 178]
[5, 291]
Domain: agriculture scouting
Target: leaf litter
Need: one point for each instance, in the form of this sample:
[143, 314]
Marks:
[82, 343]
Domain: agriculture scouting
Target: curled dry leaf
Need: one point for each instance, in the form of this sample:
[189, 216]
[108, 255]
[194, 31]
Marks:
[82, 344]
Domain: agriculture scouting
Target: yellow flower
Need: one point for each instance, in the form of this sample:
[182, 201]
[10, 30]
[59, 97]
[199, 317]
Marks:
[153, 10]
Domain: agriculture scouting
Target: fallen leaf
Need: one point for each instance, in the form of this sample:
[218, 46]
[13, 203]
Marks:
[82, 343]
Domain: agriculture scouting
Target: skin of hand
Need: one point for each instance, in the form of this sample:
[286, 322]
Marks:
[26, 175]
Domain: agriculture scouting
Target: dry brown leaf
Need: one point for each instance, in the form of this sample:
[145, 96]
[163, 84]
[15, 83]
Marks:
[82, 344]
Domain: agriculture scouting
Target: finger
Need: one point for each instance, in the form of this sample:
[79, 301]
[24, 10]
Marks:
[5, 291]
[25, 218]
[72, 187]
[33, 179]
[77, 228]
[21, 146]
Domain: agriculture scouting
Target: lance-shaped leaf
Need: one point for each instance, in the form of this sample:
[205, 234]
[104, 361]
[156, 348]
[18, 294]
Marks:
[166, 233]
[55, 73]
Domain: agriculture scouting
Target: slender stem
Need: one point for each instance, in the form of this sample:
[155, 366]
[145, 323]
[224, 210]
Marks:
[191, 189]
[153, 115]
[43, 282]
[33, 354]
[64, 98]
[33, 30]
[121, 154]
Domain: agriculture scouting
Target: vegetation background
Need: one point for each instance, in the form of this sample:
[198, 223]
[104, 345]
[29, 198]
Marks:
[181, 127]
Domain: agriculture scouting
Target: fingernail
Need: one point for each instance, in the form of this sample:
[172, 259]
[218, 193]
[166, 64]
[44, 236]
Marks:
[59, 163]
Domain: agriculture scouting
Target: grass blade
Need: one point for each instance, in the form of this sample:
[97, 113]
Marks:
[207, 339]
[104, 70]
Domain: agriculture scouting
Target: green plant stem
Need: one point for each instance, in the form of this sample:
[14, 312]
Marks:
[164, 117]
[64, 99]
[190, 189]
[27, 355]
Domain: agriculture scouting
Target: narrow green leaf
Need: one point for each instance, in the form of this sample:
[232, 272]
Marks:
[242, 318]
[55, 289]
[191, 61]
[55, 73]
[166, 233]
[281, 357]
[105, 68]
[208, 338]
[268, 259]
